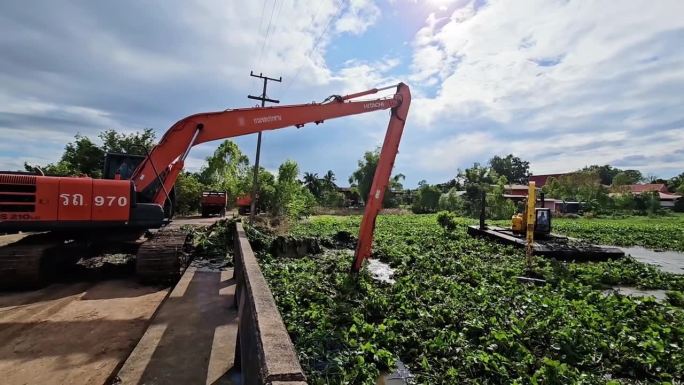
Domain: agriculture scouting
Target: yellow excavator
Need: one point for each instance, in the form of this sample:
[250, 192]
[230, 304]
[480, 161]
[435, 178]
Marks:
[535, 219]
[531, 229]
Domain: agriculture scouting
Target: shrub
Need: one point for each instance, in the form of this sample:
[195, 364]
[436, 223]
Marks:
[427, 199]
[447, 220]
[451, 201]
[679, 205]
[188, 189]
[675, 298]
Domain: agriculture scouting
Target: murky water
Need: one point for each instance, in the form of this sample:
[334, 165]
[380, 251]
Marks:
[668, 261]
[660, 295]
[213, 264]
[381, 271]
[400, 376]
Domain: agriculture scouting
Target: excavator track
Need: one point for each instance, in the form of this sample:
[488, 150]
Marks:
[24, 263]
[162, 257]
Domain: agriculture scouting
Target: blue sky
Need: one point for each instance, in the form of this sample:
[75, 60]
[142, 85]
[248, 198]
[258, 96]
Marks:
[560, 83]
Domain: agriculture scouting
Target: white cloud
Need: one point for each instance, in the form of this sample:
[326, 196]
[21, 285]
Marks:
[559, 83]
[84, 67]
[564, 152]
[551, 74]
[357, 17]
[456, 150]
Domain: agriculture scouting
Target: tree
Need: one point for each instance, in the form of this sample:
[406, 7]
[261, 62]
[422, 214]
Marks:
[624, 201]
[363, 177]
[634, 176]
[606, 173]
[448, 186]
[395, 182]
[290, 197]
[498, 207]
[188, 191]
[477, 181]
[482, 181]
[581, 186]
[329, 180]
[85, 157]
[647, 202]
[80, 157]
[266, 191]
[627, 177]
[652, 178]
[323, 189]
[427, 199]
[513, 168]
[227, 170]
[313, 183]
[395, 188]
[676, 184]
[452, 201]
[138, 143]
[330, 197]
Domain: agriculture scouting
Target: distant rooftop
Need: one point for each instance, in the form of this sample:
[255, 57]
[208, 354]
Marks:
[648, 187]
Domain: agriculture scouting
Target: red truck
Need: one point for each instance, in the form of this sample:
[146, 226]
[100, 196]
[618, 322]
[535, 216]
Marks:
[213, 202]
[243, 204]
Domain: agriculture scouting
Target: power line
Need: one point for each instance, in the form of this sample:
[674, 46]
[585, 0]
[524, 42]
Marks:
[280, 9]
[275, 24]
[268, 30]
[313, 48]
[261, 18]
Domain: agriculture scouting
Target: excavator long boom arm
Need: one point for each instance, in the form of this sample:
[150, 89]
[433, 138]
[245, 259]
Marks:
[155, 176]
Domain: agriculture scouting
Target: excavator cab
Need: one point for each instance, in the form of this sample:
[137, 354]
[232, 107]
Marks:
[120, 166]
[542, 224]
[542, 216]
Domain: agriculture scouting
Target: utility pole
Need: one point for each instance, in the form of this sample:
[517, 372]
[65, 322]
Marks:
[264, 99]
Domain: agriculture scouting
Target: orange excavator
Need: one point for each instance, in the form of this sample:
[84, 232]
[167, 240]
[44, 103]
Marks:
[70, 208]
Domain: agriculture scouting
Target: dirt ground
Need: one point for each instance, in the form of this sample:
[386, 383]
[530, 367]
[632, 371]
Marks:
[76, 333]
[11, 238]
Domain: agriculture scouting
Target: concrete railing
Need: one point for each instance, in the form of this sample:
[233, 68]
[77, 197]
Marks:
[264, 352]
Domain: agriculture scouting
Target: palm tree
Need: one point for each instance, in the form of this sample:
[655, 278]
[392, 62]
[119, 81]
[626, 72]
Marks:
[395, 182]
[313, 183]
[329, 180]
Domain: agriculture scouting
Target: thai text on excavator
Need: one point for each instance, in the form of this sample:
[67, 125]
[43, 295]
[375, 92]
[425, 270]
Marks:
[268, 119]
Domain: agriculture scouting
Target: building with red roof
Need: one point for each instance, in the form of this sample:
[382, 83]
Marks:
[667, 199]
[648, 187]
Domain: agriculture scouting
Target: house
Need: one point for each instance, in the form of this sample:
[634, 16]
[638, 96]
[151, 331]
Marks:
[351, 197]
[667, 199]
[516, 190]
[518, 193]
[648, 187]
